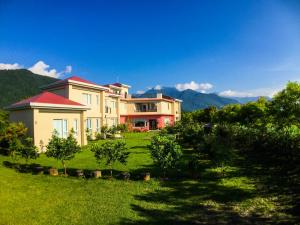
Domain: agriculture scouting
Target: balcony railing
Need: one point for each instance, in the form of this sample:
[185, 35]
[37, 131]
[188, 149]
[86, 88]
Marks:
[145, 110]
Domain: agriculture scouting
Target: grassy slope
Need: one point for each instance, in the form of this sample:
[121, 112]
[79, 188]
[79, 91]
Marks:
[16, 85]
[41, 199]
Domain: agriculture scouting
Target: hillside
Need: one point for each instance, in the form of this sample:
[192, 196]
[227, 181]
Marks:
[16, 85]
[192, 100]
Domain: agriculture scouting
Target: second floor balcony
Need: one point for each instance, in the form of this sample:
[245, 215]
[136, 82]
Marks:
[145, 107]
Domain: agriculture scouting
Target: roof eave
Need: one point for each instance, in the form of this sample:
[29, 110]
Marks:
[46, 106]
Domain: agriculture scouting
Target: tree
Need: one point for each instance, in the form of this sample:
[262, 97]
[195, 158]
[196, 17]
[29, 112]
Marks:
[28, 150]
[285, 106]
[165, 151]
[111, 151]
[62, 149]
[11, 138]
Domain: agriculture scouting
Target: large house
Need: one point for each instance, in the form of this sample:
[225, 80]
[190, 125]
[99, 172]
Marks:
[84, 106]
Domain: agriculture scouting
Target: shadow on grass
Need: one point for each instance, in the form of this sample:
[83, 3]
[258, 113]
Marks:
[38, 169]
[276, 179]
[191, 202]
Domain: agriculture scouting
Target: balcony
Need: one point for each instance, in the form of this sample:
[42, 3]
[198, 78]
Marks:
[145, 110]
[145, 107]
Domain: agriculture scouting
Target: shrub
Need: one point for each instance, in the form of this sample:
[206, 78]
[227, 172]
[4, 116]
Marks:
[165, 151]
[111, 152]
[12, 138]
[28, 150]
[122, 127]
[62, 149]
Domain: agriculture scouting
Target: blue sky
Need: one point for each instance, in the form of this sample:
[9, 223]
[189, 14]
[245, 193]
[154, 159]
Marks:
[236, 48]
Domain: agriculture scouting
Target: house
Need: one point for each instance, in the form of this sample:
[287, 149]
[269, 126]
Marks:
[84, 106]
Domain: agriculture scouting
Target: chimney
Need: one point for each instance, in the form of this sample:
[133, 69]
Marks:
[159, 95]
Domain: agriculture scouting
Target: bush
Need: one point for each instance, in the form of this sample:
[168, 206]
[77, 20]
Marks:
[28, 150]
[111, 152]
[165, 151]
[122, 127]
[11, 140]
[62, 149]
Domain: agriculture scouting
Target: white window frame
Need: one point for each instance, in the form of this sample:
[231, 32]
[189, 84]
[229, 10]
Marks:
[75, 127]
[98, 125]
[62, 128]
[167, 121]
[88, 124]
[97, 99]
[87, 98]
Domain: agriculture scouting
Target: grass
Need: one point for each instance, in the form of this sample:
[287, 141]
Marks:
[238, 198]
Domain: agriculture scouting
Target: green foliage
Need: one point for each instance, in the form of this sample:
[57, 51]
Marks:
[218, 144]
[16, 85]
[165, 151]
[28, 150]
[62, 149]
[3, 121]
[11, 140]
[122, 127]
[285, 107]
[88, 134]
[111, 152]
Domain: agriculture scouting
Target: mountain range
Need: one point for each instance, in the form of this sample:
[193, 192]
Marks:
[16, 85]
[192, 100]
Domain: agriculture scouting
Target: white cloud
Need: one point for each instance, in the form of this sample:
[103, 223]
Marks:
[157, 87]
[68, 69]
[42, 68]
[231, 93]
[140, 92]
[269, 92]
[201, 87]
[8, 66]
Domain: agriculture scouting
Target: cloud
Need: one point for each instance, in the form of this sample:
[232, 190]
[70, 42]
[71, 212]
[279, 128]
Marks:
[269, 92]
[140, 92]
[8, 66]
[157, 87]
[201, 87]
[42, 68]
[231, 93]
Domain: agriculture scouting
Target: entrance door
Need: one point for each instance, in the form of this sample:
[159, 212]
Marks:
[152, 124]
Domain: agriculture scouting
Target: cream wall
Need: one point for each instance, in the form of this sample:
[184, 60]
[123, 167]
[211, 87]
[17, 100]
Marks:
[25, 116]
[113, 116]
[43, 124]
[76, 94]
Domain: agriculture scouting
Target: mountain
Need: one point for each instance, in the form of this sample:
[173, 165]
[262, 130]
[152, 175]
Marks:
[16, 85]
[192, 100]
[244, 100]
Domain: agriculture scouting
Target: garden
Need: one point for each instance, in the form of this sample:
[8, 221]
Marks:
[235, 165]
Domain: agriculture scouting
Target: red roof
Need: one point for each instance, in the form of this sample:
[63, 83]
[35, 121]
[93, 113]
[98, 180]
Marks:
[47, 97]
[75, 78]
[117, 84]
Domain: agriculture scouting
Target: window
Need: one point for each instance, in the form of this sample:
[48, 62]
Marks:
[97, 99]
[114, 121]
[88, 124]
[97, 125]
[167, 121]
[139, 123]
[107, 108]
[87, 99]
[75, 127]
[61, 127]
[113, 104]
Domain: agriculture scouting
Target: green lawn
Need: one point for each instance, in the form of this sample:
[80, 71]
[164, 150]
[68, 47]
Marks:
[238, 198]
